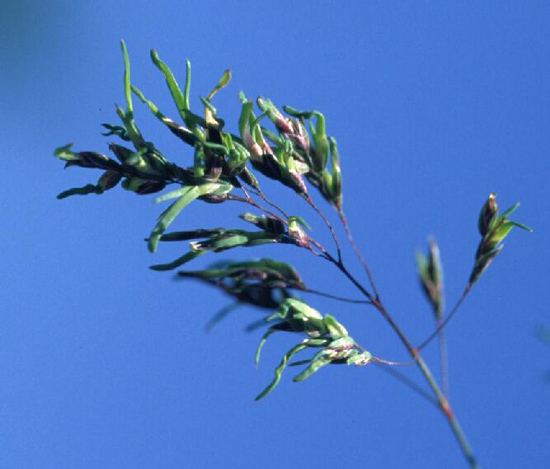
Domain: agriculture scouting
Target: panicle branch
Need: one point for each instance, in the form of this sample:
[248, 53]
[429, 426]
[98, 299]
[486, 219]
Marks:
[295, 153]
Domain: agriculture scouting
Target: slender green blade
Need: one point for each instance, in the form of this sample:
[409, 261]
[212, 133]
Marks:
[168, 216]
[193, 234]
[187, 87]
[181, 101]
[126, 79]
[224, 81]
[229, 242]
[187, 257]
[152, 106]
[522, 226]
[65, 153]
[85, 190]
[502, 231]
[279, 370]
[315, 366]
[261, 344]
[173, 194]
[511, 210]
[335, 329]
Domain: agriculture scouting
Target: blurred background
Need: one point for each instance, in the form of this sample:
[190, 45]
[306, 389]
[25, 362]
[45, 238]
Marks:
[106, 364]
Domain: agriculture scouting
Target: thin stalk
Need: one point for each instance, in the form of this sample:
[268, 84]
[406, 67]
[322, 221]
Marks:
[324, 252]
[410, 384]
[250, 201]
[447, 319]
[447, 412]
[358, 254]
[333, 297]
[389, 362]
[442, 401]
[443, 360]
[307, 198]
[318, 254]
[269, 202]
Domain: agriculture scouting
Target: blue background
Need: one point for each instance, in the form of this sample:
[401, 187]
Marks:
[106, 364]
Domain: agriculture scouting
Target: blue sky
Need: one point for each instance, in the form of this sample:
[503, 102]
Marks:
[106, 364]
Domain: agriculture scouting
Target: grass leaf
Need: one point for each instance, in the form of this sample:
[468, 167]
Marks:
[279, 370]
[87, 189]
[168, 216]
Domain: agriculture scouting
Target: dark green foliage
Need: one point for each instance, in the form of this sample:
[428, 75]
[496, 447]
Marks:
[430, 274]
[326, 334]
[493, 229]
[295, 153]
[263, 283]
